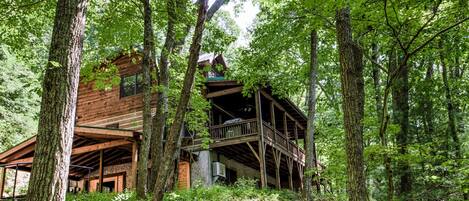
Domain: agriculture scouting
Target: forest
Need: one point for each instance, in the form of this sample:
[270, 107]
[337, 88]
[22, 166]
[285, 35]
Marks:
[384, 85]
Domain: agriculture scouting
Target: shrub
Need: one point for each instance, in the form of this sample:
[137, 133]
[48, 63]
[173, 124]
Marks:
[242, 190]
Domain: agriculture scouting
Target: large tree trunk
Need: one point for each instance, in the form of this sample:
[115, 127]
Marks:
[170, 149]
[148, 53]
[57, 117]
[310, 159]
[400, 100]
[351, 63]
[159, 120]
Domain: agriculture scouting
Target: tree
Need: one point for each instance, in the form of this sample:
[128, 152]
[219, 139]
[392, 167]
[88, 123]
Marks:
[173, 139]
[148, 57]
[174, 41]
[310, 159]
[350, 57]
[57, 116]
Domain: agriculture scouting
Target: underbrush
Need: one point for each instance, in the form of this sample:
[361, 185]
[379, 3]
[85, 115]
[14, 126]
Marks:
[243, 190]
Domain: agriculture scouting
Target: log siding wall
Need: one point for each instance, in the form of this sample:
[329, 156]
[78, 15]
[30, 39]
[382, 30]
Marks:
[101, 108]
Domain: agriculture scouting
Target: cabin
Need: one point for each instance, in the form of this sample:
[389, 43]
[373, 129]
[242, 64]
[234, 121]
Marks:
[255, 136]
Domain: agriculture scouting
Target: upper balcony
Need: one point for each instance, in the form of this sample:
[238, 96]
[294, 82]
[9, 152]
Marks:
[245, 131]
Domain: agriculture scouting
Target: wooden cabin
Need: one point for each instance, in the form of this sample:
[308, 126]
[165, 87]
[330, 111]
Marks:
[253, 136]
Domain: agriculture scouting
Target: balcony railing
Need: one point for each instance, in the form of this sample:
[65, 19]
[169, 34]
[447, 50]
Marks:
[249, 128]
[280, 139]
[233, 130]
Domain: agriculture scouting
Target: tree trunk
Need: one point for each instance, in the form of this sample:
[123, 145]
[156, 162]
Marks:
[428, 104]
[452, 111]
[352, 84]
[172, 45]
[384, 120]
[311, 101]
[148, 53]
[57, 116]
[159, 120]
[400, 100]
[376, 80]
[214, 8]
[452, 130]
[170, 149]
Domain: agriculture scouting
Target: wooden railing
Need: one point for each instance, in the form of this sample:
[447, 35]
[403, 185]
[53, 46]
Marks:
[232, 130]
[280, 139]
[249, 127]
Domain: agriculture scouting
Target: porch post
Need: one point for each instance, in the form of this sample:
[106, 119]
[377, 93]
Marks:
[295, 131]
[300, 174]
[133, 169]
[290, 172]
[2, 184]
[285, 128]
[260, 129]
[101, 168]
[272, 118]
[277, 159]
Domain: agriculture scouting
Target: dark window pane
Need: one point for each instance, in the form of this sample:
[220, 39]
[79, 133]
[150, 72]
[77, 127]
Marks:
[131, 85]
[139, 83]
[128, 86]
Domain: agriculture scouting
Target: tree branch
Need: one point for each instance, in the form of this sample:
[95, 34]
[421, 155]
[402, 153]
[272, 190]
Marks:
[435, 11]
[214, 8]
[437, 34]
[394, 32]
[375, 63]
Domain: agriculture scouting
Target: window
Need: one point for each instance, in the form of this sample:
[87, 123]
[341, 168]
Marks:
[108, 186]
[115, 125]
[131, 85]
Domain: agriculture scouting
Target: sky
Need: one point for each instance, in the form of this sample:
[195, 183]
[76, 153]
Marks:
[244, 18]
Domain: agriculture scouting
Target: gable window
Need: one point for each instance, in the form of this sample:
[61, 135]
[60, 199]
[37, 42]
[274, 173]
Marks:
[131, 85]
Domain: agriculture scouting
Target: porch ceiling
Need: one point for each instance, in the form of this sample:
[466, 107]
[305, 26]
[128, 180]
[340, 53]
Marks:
[87, 143]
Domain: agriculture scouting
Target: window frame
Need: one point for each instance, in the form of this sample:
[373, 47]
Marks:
[137, 87]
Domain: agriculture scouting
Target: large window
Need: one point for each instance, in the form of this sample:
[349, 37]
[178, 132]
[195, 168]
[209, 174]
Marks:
[131, 85]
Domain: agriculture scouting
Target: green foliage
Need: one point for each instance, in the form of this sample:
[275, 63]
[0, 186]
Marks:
[244, 189]
[96, 196]
[19, 100]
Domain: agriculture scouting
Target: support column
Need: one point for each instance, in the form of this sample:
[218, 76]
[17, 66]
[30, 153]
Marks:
[290, 172]
[300, 174]
[202, 170]
[14, 182]
[277, 159]
[133, 168]
[261, 143]
[2, 184]
[101, 170]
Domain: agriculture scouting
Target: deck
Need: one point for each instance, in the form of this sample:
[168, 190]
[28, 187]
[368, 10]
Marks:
[247, 131]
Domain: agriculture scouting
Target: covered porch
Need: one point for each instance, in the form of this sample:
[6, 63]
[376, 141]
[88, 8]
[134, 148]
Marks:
[96, 164]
